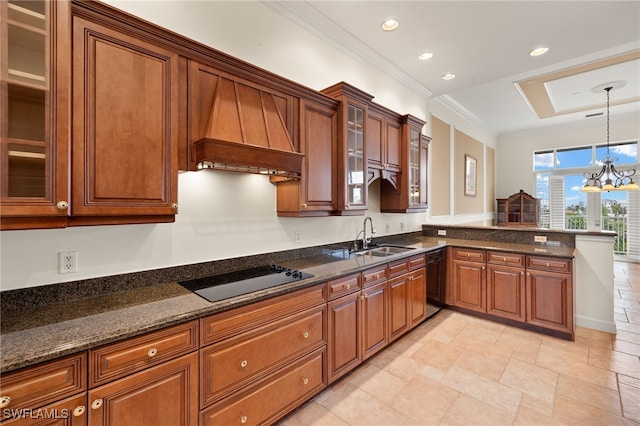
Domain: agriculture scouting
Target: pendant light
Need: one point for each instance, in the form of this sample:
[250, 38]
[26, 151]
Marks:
[609, 178]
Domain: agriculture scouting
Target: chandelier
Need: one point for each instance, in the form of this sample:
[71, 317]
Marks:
[609, 178]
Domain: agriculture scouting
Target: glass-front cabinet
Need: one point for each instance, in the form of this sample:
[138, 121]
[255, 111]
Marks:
[33, 172]
[519, 209]
[355, 157]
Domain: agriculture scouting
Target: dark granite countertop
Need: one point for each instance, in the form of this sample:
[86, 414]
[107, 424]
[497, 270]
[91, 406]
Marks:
[29, 336]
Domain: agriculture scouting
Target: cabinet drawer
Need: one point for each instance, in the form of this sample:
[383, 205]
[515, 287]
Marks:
[45, 383]
[69, 412]
[343, 286]
[123, 358]
[273, 397]
[501, 258]
[551, 264]
[229, 366]
[471, 255]
[373, 276]
[230, 323]
[398, 268]
[416, 262]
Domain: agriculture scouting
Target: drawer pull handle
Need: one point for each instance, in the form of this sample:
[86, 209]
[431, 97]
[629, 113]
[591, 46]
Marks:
[243, 419]
[305, 381]
[96, 404]
[504, 259]
[152, 352]
[305, 334]
[4, 401]
[78, 411]
[347, 286]
[547, 264]
[243, 363]
[376, 277]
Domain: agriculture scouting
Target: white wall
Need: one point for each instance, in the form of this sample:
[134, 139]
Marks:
[221, 215]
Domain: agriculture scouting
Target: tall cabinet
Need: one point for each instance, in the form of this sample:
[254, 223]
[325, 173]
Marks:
[34, 113]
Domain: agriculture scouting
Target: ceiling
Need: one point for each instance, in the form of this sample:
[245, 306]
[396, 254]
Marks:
[498, 85]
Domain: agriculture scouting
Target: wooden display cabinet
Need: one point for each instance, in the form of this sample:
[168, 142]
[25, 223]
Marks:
[520, 209]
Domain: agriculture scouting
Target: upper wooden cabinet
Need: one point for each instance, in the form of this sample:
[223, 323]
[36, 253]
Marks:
[34, 114]
[519, 209]
[125, 127]
[351, 155]
[383, 144]
[410, 196]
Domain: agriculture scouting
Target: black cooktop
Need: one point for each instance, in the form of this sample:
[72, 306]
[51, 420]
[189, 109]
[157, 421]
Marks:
[224, 286]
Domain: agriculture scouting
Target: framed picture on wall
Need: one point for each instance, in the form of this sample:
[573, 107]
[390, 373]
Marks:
[470, 172]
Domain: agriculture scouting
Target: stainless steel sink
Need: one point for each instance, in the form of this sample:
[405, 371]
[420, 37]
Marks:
[383, 251]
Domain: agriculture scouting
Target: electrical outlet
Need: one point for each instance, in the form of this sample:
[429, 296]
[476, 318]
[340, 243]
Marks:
[67, 262]
[402, 226]
[442, 232]
[297, 236]
[540, 238]
[387, 228]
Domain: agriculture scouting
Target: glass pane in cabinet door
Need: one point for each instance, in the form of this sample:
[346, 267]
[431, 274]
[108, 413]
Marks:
[414, 167]
[355, 155]
[27, 56]
[26, 169]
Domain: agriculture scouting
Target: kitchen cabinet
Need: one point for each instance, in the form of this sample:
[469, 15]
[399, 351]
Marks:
[410, 196]
[383, 144]
[166, 394]
[343, 324]
[351, 153]
[260, 361]
[125, 121]
[407, 295]
[550, 293]
[56, 385]
[34, 114]
[417, 297]
[436, 277]
[71, 411]
[506, 285]
[374, 329]
[315, 193]
[518, 209]
[468, 273]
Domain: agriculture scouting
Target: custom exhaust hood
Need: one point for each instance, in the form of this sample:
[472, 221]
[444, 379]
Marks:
[246, 133]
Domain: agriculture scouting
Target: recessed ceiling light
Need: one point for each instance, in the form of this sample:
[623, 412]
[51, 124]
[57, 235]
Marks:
[448, 76]
[425, 56]
[390, 24]
[539, 51]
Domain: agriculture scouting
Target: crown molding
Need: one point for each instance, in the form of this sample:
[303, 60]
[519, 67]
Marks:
[309, 18]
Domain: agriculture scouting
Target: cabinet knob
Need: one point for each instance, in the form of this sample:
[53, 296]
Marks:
[4, 401]
[483, 267]
[152, 352]
[174, 206]
[346, 286]
[504, 259]
[364, 296]
[243, 363]
[78, 411]
[304, 205]
[547, 264]
[305, 334]
[96, 404]
[243, 419]
[347, 205]
[304, 381]
[62, 205]
[376, 277]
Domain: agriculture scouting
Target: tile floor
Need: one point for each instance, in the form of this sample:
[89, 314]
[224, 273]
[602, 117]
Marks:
[456, 369]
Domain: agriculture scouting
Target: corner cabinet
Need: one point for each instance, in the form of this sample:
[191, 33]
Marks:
[411, 193]
[34, 114]
[519, 209]
[125, 127]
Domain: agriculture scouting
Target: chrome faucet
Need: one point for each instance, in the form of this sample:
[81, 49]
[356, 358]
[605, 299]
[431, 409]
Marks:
[365, 241]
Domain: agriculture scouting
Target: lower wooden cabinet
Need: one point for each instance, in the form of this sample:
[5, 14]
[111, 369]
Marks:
[272, 398]
[68, 412]
[398, 306]
[550, 300]
[374, 319]
[417, 297]
[506, 285]
[343, 345]
[165, 395]
[469, 285]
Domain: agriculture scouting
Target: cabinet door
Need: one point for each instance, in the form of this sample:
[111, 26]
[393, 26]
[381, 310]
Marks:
[125, 127]
[374, 139]
[34, 114]
[550, 300]
[68, 412]
[343, 343]
[393, 145]
[505, 292]
[417, 297]
[374, 319]
[315, 193]
[469, 286]
[398, 306]
[355, 185]
[165, 395]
